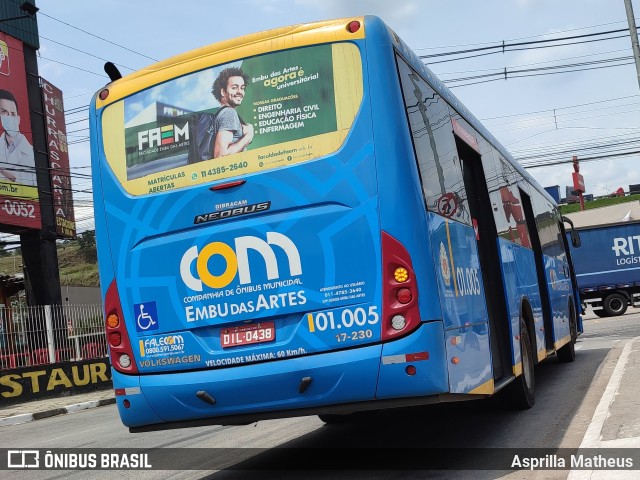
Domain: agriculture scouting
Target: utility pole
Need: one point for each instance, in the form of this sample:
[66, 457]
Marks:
[633, 32]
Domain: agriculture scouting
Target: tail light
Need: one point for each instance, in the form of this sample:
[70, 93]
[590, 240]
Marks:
[120, 351]
[400, 312]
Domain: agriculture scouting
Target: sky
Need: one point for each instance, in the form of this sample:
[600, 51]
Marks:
[540, 117]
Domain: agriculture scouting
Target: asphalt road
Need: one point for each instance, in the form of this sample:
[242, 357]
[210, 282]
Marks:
[566, 397]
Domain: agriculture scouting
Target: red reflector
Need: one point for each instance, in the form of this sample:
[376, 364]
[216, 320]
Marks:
[115, 339]
[119, 392]
[103, 94]
[411, 370]
[354, 26]
[126, 403]
[222, 186]
[416, 357]
[404, 295]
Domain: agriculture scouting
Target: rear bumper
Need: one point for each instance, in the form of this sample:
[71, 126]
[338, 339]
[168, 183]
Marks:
[342, 381]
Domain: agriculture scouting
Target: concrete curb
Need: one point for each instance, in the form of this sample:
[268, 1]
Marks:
[76, 407]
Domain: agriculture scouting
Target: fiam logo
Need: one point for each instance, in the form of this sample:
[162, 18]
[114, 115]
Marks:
[237, 261]
[162, 136]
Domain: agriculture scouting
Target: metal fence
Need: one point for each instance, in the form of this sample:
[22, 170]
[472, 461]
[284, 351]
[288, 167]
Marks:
[50, 334]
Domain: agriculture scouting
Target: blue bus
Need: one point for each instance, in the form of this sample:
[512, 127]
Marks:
[307, 221]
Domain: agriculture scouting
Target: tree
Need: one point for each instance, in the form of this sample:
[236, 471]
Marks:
[87, 245]
[3, 251]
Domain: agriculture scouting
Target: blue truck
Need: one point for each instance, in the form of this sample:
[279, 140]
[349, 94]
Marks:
[607, 267]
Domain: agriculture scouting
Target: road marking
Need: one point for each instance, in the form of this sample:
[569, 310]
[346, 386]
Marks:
[593, 436]
[74, 433]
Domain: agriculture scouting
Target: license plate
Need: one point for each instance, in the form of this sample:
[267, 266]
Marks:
[248, 334]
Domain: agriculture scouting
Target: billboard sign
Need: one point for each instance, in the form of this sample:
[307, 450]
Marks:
[19, 205]
[58, 160]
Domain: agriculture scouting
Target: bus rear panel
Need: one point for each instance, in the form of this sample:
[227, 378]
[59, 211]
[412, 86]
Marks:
[259, 282]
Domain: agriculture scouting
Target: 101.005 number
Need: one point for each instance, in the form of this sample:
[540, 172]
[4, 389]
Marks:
[19, 209]
[348, 318]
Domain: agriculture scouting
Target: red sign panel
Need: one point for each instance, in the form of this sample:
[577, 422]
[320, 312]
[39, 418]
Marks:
[578, 182]
[248, 334]
[19, 204]
[58, 160]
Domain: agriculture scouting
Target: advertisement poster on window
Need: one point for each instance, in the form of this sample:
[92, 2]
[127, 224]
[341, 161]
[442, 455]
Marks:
[19, 204]
[246, 116]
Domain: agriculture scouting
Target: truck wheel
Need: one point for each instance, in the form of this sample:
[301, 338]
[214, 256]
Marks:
[615, 304]
[522, 391]
[601, 313]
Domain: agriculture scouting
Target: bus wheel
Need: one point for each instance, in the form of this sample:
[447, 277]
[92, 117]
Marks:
[615, 304]
[567, 353]
[522, 391]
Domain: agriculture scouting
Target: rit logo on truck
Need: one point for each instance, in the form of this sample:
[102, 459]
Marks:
[236, 261]
[626, 245]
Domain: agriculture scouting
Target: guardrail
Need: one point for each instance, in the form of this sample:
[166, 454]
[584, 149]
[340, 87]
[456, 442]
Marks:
[50, 334]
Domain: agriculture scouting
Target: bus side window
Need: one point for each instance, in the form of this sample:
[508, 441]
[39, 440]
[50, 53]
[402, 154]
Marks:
[435, 147]
[512, 209]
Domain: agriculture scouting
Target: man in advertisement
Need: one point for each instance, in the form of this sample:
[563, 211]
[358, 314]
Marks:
[233, 135]
[16, 153]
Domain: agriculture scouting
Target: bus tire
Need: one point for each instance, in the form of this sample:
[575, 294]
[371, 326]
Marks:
[567, 353]
[522, 391]
[615, 304]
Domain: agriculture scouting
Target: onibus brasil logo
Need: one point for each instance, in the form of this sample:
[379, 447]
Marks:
[237, 261]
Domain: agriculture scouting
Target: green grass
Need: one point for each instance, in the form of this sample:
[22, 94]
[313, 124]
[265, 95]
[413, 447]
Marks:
[74, 269]
[601, 202]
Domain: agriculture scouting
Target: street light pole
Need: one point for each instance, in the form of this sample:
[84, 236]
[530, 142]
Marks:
[633, 32]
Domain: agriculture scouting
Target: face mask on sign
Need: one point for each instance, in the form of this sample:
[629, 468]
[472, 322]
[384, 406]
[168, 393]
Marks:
[10, 124]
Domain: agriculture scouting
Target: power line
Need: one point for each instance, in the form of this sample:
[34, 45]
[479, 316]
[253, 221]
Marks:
[561, 108]
[74, 67]
[505, 73]
[583, 159]
[540, 74]
[40, 12]
[82, 51]
[524, 38]
[441, 74]
[503, 46]
[542, 149]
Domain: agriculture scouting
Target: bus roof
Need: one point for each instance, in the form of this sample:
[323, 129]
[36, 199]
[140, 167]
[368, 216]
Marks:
[284, 38]
[228, 50]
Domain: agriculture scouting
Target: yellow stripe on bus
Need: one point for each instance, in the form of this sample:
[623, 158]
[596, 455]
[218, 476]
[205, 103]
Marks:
[562, 342]
[485, 388]
[312, 328]
[517, 369]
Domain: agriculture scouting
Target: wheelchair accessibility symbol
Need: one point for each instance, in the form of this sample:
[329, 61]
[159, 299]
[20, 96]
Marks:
[146, 316]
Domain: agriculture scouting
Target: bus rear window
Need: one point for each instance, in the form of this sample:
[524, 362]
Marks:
[252, 115]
